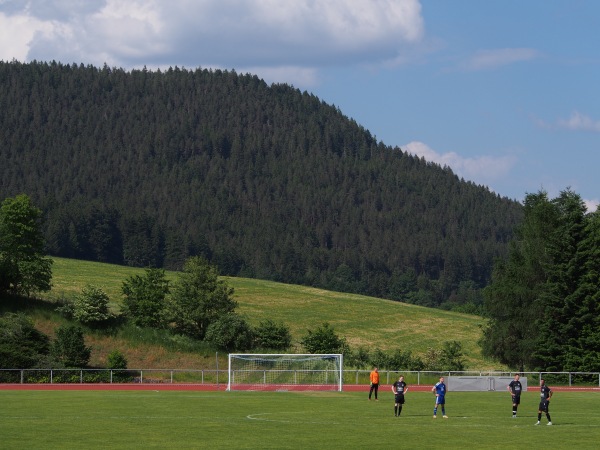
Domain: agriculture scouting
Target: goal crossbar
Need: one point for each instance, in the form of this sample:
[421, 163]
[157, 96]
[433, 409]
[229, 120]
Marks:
[285, 371]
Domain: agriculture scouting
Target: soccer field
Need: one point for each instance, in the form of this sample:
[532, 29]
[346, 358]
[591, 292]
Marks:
[193, 419]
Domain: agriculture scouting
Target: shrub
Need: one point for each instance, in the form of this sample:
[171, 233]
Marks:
[324, 340]
[91, 306]
[230, 332]
[22, 346]
[358, 358]
[69, 347]
[273, 335]
[116, 360]
[452, 356]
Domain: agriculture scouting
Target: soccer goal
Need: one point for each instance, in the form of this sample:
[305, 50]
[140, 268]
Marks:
[310, 372]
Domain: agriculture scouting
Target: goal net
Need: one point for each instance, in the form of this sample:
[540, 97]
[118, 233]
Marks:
[309, 372]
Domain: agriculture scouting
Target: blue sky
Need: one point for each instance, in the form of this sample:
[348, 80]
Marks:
[506, 93]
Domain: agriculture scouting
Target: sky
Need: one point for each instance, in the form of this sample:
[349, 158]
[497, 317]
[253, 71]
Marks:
[506, 93]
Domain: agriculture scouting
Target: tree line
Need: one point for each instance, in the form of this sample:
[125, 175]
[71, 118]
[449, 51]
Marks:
[543, 302]
[198, 306]
[150, 168]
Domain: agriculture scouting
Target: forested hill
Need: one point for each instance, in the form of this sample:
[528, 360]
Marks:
[148, 167]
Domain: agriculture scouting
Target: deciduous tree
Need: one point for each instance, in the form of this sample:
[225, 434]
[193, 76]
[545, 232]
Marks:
[24, 269]
[145, 298]
[199, 298]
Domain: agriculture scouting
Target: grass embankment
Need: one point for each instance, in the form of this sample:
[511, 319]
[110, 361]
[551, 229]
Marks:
[364, 321]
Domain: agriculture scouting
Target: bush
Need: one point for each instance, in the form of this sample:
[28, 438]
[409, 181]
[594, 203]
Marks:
[22, 346]
[118, 364]
[358, 359]
[271, 335]
[324, 340]
[452, 356]
[117, 360]
[231, 333]
[91, 306]
[69, 347]
[395, 360]
[447, 358]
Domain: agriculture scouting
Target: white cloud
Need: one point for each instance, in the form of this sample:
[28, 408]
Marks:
[490, 59]
[580, 122]
[210, 33]
[297, 76]
[481, 170]
[591, 205]
[16, 34]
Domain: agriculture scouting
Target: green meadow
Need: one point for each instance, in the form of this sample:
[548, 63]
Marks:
[364, 321]
[251, 420]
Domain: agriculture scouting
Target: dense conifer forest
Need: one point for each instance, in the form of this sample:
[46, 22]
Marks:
[147, 168]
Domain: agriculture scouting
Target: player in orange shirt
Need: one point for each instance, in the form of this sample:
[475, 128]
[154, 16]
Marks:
[374, 382]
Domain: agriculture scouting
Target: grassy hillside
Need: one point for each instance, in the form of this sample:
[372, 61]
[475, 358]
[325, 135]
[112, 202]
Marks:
[364, 321]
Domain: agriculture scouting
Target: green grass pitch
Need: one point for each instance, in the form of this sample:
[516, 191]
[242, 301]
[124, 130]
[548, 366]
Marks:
[193, 419]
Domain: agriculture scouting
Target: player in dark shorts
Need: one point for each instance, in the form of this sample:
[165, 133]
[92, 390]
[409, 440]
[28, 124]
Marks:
[515, 389]
[399, 388]
[545, 396]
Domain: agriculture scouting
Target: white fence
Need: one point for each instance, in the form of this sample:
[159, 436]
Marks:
[218, 377]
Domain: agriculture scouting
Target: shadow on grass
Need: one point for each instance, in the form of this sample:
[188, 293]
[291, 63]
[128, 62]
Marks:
[16, 303]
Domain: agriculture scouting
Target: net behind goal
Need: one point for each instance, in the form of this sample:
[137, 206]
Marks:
[285, 372]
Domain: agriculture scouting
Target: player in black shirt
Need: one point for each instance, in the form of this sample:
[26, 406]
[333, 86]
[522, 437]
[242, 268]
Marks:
[545, 396]
[399, 388]
[514, 387]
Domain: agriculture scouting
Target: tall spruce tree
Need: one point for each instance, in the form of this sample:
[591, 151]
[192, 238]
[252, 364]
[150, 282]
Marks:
[543, 302]
[513, 299]
[559, 299]
[583, 349]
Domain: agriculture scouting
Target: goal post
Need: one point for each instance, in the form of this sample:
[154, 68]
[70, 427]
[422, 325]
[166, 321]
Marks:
[285, 371]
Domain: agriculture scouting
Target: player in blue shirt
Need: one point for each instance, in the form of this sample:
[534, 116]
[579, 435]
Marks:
[399, 388]
[440, 397]
[515, 388]
[545, 395]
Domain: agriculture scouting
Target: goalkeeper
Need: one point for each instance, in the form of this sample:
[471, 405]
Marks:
[374, 377]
